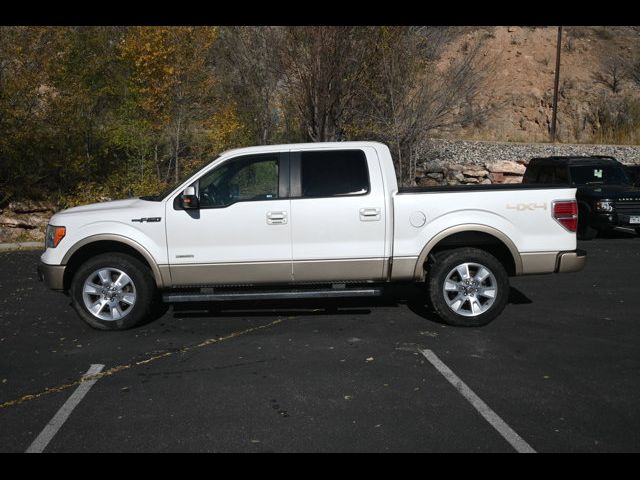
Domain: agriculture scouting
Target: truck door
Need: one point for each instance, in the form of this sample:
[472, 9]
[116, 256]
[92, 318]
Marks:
[241, 232]
[337, 215]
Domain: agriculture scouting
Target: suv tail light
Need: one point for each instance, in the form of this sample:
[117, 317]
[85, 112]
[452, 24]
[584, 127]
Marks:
[565, 212]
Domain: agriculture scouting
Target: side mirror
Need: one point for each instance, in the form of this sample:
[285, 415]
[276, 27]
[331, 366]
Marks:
[188, 199]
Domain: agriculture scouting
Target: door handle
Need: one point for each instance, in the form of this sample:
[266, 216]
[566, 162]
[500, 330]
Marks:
[276, 218]
[370, 214]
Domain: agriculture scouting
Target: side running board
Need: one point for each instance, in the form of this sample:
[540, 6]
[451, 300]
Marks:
[173, 297]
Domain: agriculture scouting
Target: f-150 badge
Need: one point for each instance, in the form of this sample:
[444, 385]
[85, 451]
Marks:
[149, 220]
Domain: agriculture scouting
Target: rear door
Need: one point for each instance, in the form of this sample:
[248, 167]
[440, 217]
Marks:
[337, 215]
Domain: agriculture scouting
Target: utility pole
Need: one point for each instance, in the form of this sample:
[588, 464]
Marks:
[555, 87]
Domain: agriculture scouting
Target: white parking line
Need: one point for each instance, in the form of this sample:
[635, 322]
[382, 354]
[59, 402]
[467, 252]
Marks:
[47, 434]
[489, 415]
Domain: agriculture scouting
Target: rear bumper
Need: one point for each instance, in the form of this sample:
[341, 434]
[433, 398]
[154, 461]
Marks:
[51, 275]
[552, 262]
[571, 261]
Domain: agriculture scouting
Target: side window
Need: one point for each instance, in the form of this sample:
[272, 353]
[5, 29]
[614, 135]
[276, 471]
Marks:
[333, 173]
[242, 179]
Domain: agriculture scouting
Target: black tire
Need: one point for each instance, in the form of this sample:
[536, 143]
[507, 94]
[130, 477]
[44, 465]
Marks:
[445, 262]
[146, 304]
[585, 231]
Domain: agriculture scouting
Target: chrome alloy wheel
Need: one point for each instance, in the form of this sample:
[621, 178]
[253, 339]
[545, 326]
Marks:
[109, 294]
[470, 289]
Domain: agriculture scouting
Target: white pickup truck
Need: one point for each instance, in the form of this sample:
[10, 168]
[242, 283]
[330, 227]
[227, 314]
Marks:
[307, 221]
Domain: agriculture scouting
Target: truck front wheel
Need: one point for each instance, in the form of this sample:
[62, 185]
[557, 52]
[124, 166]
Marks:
[468, 287]
[113, 291]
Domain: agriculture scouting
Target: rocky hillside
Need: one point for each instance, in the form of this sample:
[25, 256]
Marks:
[518, 63]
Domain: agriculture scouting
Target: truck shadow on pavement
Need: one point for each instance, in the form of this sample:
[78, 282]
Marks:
[412, 296]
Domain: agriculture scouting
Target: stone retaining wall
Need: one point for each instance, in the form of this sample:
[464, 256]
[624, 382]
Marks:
[25, 221]
[451, 162]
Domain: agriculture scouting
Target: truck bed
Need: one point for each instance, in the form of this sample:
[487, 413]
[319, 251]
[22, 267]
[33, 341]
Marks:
[478, 187]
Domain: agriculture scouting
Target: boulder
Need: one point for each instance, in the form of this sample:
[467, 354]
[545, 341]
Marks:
[427, 182]
[505, 166]
[435, 176]
[471, 180]
[13, 222]
[512, 179]
[432, 168]
[475, 173]
[29, 222]
[496, 177]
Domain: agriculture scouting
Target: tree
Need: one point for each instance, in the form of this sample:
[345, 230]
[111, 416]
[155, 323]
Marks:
[411, 92]
[172, 78]
[248, 69]
[323, 68]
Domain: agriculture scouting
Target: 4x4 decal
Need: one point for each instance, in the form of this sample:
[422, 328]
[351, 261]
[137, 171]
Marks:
[527, 206]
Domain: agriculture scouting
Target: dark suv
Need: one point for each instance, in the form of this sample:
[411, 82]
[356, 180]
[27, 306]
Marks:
[634, 171]
[607, 197]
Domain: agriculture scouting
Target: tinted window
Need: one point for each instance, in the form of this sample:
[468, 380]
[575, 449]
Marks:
[599, 175]
[245, 178]
[334, 173]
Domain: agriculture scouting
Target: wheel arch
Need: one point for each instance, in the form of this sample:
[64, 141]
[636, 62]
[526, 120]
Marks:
[103, 243]
[479, 236]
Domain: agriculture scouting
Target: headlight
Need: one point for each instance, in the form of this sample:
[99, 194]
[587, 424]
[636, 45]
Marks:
[54, 235]
[604, 205]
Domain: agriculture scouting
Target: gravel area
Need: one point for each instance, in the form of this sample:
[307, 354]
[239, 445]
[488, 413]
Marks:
[477, 152]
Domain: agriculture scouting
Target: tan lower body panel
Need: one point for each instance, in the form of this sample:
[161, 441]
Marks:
[231, 273]
[257, 273]
[403, 268]
[538, 262]
[366, 269]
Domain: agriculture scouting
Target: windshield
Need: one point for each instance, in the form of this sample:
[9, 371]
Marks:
[162, 195]
[599, 175]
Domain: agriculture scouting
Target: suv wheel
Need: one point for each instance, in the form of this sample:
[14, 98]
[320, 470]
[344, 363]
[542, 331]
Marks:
[113, 291]
[585, 231]
[468, 287]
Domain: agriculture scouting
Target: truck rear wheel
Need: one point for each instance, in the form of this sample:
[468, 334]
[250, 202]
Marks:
[468, 287]
[113, 291]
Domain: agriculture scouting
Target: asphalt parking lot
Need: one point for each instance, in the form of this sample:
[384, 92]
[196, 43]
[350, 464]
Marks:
[560, 368]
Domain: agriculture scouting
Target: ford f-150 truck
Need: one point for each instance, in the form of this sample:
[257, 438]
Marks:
[307, 221]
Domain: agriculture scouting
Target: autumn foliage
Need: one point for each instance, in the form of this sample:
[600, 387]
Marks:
[89, 113]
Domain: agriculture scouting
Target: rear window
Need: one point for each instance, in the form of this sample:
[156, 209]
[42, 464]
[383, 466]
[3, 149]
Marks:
[334, 173]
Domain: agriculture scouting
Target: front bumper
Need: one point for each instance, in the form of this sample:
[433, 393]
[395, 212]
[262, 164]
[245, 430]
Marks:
[51, 275]
[604, 221]
[571, 261]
